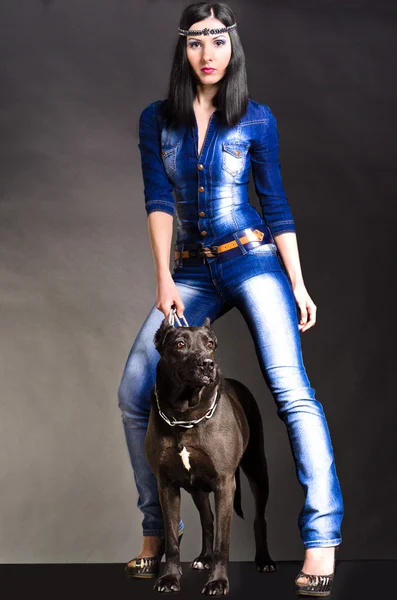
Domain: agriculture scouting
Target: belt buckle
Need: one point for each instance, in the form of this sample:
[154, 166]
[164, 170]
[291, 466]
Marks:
[209, 251]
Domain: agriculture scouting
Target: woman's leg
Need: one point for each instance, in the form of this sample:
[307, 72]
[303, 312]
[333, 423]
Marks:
[268, 306]
[200, 300]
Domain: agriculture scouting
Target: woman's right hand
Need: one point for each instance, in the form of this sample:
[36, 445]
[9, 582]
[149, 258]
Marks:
[167, 295]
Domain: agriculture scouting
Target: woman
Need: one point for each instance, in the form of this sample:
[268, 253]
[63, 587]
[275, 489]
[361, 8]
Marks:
[201, 143]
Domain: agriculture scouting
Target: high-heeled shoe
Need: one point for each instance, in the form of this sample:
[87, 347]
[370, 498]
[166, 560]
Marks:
[147, 567]
[316, 585]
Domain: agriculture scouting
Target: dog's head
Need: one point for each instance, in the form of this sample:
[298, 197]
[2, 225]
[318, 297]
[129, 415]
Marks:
[188, 352]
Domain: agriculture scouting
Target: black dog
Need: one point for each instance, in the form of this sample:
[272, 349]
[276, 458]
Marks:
[202, 426]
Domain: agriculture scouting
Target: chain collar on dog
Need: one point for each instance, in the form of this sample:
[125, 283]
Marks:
[187, 424]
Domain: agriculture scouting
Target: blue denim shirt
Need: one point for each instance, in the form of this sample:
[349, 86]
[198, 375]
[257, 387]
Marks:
[208, 193]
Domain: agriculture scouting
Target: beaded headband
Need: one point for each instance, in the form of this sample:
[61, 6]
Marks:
[205, 31]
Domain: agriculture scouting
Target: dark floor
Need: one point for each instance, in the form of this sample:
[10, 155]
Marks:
[353, 580]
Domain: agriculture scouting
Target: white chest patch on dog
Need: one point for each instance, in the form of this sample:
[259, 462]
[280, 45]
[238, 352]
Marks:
[184, 454]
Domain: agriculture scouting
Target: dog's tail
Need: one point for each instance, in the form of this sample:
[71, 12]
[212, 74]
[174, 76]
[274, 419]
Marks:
[237, 495]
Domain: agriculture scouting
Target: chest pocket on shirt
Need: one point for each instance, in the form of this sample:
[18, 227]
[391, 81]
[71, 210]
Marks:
[168, 154]
[234, 157]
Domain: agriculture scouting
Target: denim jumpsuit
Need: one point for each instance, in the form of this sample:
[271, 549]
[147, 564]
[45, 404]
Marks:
[208, 194]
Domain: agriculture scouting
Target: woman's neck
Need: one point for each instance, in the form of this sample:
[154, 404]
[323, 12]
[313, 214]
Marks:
[204, 97]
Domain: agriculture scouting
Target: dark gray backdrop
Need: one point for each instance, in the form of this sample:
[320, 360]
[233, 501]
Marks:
[77, 276]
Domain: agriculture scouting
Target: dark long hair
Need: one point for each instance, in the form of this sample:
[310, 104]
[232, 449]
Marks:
[232, 96]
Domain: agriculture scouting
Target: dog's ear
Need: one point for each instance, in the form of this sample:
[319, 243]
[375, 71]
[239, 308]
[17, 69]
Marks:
[207, 323]
[161, 334]
[214, 340]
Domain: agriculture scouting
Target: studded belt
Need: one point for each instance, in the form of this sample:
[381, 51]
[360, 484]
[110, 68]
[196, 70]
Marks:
[226, 248]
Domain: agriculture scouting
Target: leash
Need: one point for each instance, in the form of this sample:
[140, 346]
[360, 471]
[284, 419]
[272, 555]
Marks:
[187, 424]
[172, 317]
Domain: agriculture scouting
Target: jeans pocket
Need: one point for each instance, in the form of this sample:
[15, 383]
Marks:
[234, 157]
[168, 155]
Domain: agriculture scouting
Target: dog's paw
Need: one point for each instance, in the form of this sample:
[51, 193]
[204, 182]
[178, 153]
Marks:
[167, 583]
[216, 587]
[266, 566]
[204, 561]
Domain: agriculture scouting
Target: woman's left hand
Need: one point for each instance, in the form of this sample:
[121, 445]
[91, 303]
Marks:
[307, 308]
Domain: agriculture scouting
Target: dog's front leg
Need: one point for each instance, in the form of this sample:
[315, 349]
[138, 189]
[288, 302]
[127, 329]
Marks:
[202, 501]
[170, 500]
[218, 582]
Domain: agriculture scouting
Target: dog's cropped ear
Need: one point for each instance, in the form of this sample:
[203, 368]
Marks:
[214, 339]
[161, 334]
[207, 322]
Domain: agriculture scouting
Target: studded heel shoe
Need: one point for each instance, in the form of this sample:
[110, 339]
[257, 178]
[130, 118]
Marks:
[147, 567]
[316, 585]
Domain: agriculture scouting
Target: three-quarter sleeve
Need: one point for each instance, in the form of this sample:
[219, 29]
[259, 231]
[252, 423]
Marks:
[157, 186]
[276, 210]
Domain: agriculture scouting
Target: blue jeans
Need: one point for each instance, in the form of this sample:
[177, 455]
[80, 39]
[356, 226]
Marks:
[256, 283]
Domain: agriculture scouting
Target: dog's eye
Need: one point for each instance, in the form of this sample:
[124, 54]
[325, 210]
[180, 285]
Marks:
[210, 345]
[180, 344]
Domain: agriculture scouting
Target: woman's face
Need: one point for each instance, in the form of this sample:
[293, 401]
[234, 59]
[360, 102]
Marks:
[208, 51]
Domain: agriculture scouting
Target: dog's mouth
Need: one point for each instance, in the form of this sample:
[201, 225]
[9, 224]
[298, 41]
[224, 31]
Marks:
[206, 379]
[197, 377]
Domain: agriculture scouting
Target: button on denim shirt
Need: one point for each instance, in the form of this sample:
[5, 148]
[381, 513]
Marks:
[208, 192]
